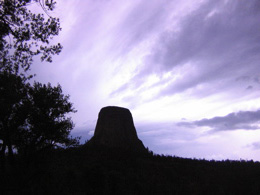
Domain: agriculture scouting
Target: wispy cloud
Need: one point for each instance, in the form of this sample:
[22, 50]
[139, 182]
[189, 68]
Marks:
[246, 120]
[209, 49]
[254, 146]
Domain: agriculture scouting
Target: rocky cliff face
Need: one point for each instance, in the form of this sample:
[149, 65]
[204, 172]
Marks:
[115, 128]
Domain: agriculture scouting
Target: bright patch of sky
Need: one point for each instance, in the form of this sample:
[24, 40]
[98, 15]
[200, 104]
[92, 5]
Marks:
[179, 66]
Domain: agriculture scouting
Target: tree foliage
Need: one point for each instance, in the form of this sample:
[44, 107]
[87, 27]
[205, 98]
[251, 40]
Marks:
[46, 124]
[33, 117]
[25, 34]
[13, 92]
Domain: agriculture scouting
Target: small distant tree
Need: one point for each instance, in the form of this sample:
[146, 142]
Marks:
[24, 34]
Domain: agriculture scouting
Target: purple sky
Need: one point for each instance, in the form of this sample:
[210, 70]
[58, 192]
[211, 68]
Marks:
[189, 71]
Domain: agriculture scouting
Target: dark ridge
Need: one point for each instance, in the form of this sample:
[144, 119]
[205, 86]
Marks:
[97, 170]
[115, 161]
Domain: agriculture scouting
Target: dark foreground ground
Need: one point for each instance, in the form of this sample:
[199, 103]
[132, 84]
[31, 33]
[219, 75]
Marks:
[104, 171]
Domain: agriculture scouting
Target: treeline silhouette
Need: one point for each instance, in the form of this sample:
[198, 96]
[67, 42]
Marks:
[100, 170]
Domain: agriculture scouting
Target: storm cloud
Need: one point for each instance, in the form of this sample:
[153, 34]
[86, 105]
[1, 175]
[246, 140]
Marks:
[206, 52]
[166, 61]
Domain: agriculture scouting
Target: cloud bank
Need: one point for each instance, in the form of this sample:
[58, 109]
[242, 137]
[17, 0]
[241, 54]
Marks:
[245, 120]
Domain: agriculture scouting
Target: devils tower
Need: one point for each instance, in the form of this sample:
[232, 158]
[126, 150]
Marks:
[115, 129]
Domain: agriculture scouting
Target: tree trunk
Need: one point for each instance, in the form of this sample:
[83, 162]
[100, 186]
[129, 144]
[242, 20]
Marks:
[10, 154]
[2, 155]
[7, 141]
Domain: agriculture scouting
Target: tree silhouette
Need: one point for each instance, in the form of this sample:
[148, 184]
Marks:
[24, 34]
[46, 125]
[13, 92]
[33, 118]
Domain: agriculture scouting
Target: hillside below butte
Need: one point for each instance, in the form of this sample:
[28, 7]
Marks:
[115, 129]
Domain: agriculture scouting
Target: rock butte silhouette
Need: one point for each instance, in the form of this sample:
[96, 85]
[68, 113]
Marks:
[115, 129]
